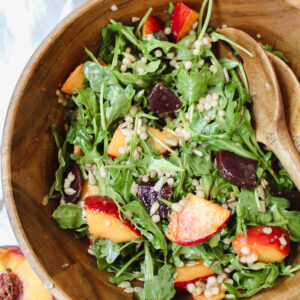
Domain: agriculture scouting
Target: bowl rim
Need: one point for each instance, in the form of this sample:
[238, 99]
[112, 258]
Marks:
[7, 135]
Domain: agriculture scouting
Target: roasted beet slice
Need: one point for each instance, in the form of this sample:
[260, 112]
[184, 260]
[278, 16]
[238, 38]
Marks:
[148, 196]
[160, 35]
[237, 170]
[162, 101]
[75, 185]
[293, 196]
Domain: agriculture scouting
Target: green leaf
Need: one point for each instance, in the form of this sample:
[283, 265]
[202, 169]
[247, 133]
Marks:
[144, 223]
[275, 52]
[192, 85]
[163, 164]
[106, 252]
[68, 216]
[161, 286]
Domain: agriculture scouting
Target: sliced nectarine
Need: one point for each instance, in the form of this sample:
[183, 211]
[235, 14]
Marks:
[74, 81]
[17, 279]
[220, 296]
[197, 221]
[166, 137]
[118, 141]
[151, 25]
[270, 243]
[182, 20]
[190, 274]
[77, 151]
[104, 222]
[88, 190]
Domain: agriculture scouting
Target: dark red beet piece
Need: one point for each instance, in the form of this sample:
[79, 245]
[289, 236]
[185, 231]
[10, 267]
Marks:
[237, 170]
[293, 196]
[76, 184]
[162, 101]
[10, 287]
[148, 196]
[160, 35]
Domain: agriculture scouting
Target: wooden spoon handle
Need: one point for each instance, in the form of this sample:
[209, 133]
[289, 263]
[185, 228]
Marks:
[283, 147]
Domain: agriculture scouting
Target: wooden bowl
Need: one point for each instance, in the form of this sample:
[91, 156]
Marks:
[29, 156]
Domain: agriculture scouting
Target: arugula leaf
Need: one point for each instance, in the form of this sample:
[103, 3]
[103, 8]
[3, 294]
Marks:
[144, 223]
[68, 216]
[161, 286]
[276, 52]
[106, 252]
[163, 164]
[192, 85]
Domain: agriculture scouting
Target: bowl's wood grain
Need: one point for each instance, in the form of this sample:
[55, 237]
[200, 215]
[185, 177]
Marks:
[29, 157]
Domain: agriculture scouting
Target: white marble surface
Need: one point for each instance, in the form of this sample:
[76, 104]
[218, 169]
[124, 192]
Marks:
[23, 25]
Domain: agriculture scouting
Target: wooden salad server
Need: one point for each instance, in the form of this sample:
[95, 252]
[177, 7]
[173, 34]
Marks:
[267, 106]
[290, 90]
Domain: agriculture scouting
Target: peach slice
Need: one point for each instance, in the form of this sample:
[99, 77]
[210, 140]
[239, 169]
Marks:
[163, 136]
[197, 221]
[270, 243]
[220, 296]
[88, 190]
[75, 79]
[104, 222]
[17, 279]
[182, 20]
[151, 25]
[118, 141]
[77, 151]
[190, 274]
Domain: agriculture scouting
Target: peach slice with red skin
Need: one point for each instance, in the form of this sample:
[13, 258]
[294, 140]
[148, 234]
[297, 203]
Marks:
[104, 222]
[182, 20]
[151, 25]
[17, 279]
[197, 221]
[118, 141]
[190, 274]
[270, 243]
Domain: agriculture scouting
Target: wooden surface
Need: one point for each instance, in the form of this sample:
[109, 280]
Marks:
[29, 157]
[290, 91]
[267, 107]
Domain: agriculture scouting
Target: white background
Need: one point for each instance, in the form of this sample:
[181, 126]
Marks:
[23, 25]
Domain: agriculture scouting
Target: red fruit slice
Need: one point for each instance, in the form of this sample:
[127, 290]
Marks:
[104, 221]
[237, 170]
[162, 101]
[151, 25]
[197, 221]
[270, 243]
[148, 196]
[190, 274]
[182, 20]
